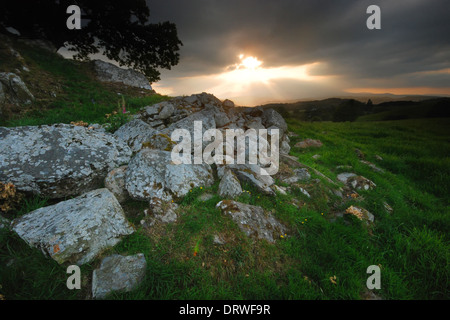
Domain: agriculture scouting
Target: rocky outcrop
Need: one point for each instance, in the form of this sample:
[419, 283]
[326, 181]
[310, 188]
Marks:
[111, 73]
[76, 230]
[59, 160]
[118, 273]
[253, 220]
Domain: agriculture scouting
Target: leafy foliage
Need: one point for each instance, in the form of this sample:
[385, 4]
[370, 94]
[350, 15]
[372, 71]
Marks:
[119, 29]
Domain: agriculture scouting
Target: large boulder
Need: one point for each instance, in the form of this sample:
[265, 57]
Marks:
[152, 174]
[75, 230]
[118, 273]
[59, 160]
[111, 73]
[253, 220]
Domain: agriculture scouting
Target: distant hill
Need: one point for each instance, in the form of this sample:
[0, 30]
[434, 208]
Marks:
[341, 109]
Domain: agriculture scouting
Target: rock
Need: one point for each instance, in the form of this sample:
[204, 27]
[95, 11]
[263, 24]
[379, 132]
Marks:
[279, 189]
[344, 167]
[207, 121]
[272, 118]
[299, 174]
[387, 207]
[218, 240]
[370, 295]
[356, 182]
[228, 103]
[360, 183]
[163, 212]
[290, 161]
[75, 230]
[118, 273]
[229, 186]
[253, 220]
[151, 111]
[316, 156]
[360, 154]
[59, 160]
[361, 214]
[206, 197]
[343, 177]
[135, 133]
[166, 111]
[13, 90]
[160, 141]
[372, 166]
[151, 173]
[221, 119]
[306, 193]
[4, 223]
[251, 174]
[307, 143]
[379, 158]
[110, 73]
[115, 182]
[285, 147]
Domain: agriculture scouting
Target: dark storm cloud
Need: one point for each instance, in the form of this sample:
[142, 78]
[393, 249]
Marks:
[414, 34]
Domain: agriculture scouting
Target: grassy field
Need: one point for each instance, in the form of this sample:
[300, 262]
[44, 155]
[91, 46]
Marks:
[410, 244]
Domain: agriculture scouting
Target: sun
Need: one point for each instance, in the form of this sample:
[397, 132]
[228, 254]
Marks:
[250, 63]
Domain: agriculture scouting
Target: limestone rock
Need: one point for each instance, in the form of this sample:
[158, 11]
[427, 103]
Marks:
[272, 118]
[299, 174]
[229, 186]
[13, 90]
[75, 230]
[151, 173]
[135, 133]
[253, 220]
[361, 214]
[118, 273]
[115, 182]
[360, 183]
[111, 73]
[249, 173]
[343, 177]
[59, 160]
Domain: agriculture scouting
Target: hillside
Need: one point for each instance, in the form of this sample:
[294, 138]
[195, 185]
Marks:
[340, 109]
[77, 171]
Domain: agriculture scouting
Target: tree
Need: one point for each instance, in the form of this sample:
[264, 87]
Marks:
[119, 29]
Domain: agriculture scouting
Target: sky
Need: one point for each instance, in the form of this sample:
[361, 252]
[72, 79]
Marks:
[257, 51]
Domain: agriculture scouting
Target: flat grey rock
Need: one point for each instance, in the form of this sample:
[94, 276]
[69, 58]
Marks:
[60, 160]
[118, 273]
[253, 220]
[75, 230]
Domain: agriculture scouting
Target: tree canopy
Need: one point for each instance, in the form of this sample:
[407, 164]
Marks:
[119, 29]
